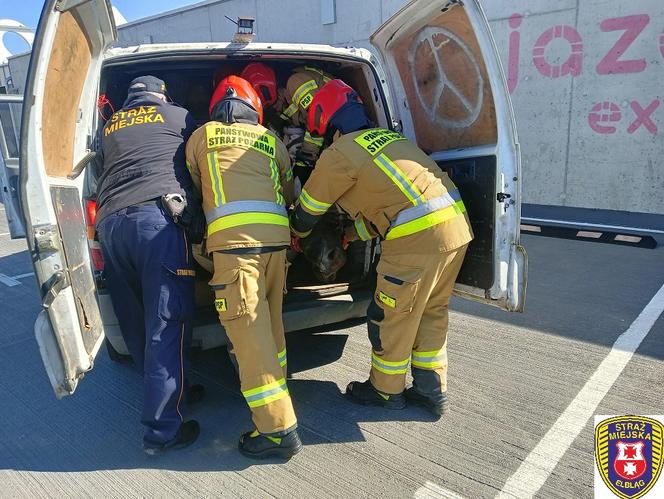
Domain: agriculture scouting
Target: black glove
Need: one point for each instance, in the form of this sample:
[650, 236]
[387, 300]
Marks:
[190, 217]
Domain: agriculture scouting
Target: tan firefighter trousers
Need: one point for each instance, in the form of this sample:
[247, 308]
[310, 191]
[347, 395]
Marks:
[249, 290]
[407, 321]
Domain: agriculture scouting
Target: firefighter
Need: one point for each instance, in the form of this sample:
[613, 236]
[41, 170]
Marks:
[292, 104]
[392, 190]
[148, 267]
[243, 172]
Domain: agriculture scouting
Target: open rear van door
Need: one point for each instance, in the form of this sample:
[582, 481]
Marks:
[56, 133]
[452, 100]
[10, 123]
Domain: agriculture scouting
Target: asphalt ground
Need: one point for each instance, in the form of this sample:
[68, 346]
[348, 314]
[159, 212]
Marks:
[511, 378]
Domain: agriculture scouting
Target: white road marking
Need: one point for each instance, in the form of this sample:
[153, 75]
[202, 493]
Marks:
[536, 468]
[432, 491]
[11, 281]
[597, 226]
[4, 234]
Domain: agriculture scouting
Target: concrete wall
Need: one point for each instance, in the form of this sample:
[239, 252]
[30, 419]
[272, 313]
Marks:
[586, 81]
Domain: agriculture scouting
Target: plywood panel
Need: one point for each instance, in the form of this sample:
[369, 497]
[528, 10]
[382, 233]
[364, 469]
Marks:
[65, 77]
[446, 84]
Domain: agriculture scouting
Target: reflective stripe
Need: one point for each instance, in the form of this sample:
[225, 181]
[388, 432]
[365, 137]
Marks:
[274, 175]
[215, 177]
[289, 174]
[265, 394]
[244, 207]
[431, 359]
[300, 97]
[362, 229]
[281, 357]
[434, 204]
[289, 112]
[313, 204]
[389, 367]
[423, 223]
[239, 219]
[318, 142]
[395, 174]
[318, 72]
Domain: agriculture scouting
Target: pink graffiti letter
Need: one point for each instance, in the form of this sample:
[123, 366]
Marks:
[632, 26]
[574, 63]
[643, 117]
[514, 52]
[604, 112]
[661, 44]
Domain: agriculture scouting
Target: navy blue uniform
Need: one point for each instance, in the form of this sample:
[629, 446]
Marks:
[148, 263]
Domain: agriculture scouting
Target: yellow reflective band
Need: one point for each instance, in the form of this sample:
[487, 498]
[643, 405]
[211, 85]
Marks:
[399, 179]
[273, 439]
[389, 367]
[313, 204]
[219, 136]
[362, 229]
[289, 174]
[387, 300]
[374, 141]
[215, 178]
[318, 72]
[274, 174]
[281, 357]
[239, 219]
[428, 360]
[289, 111]
[266, 394]
[313, 140]
[427, 221]
[302, 96]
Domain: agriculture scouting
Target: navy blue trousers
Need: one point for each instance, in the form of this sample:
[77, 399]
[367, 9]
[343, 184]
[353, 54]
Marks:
[150, 277]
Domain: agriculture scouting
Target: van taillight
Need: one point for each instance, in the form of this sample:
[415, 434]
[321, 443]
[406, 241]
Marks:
[91, 211]
[95, 249]
[97, 259]
[91, 215]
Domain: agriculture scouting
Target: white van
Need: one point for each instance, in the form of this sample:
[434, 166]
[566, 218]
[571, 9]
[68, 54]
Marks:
[440, 82]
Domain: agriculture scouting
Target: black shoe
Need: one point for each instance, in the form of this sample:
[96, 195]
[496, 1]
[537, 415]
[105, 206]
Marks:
[255, 445]
[194, 394]
[436, 407]
[186, 435]
[366, 394]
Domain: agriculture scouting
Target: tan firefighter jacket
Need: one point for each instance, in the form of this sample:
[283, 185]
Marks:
[391, 189]
[300, 90]
[243, 173]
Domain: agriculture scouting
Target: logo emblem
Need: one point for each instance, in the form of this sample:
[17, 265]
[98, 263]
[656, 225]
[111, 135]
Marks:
[628, 452]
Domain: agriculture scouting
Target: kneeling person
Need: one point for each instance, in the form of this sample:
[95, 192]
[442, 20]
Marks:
[391, 189]
[243, 171]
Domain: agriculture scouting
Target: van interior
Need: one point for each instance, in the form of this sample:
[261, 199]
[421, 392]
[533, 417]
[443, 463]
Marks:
[190, 84]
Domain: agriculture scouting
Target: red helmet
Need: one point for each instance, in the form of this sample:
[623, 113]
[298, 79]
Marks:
[234, 86]
[264, 81]
[332, 96]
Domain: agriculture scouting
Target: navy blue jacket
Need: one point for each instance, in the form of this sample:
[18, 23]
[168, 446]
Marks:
[142, 153]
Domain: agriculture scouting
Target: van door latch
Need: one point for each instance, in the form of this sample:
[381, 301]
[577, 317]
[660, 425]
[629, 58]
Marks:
[502, 196]
[58, 282]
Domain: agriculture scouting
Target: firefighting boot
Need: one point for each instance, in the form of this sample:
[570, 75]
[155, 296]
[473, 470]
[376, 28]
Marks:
[437, 406]
[365, 394]
[257, 445]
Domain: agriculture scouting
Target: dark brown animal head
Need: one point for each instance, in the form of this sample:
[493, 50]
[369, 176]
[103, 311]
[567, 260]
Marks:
[323, 250]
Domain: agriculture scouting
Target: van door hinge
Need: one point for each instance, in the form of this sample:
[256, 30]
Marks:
[502, 196]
